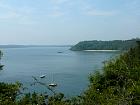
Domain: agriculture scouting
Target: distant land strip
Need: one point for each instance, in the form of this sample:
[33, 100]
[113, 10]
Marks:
[105, 45]
[23, 46]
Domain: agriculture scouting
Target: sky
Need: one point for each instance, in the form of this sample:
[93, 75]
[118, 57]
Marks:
[66, 22]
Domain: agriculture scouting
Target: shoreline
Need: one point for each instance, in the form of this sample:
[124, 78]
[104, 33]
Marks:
[103, 50]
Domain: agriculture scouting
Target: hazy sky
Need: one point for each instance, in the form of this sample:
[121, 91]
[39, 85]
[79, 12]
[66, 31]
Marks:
[67, 21]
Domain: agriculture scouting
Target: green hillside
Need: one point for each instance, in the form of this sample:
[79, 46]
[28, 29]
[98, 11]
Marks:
[104, 45]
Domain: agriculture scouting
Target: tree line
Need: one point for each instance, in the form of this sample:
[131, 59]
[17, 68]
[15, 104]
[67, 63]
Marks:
[105, 45]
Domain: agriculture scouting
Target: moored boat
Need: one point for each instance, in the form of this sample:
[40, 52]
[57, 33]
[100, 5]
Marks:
[42, 76]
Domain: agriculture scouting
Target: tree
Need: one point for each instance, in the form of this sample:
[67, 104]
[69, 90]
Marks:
[118, 84]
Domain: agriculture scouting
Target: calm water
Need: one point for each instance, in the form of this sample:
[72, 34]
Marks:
[69, 69]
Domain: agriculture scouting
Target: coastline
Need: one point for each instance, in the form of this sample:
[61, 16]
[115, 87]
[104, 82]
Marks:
[103, 50]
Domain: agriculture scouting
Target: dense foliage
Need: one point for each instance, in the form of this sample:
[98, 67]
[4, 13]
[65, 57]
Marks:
[117, 84]
[105, 45]
[8, 93]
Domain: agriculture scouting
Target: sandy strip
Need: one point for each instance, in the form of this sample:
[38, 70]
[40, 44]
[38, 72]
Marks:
[102, 50]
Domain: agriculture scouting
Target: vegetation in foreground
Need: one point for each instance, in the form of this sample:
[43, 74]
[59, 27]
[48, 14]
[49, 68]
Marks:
[117, 84]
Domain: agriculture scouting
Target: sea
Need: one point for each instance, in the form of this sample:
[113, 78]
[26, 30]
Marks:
[70, 70]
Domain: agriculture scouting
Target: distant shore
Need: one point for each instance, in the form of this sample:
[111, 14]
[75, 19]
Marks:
[98, 45]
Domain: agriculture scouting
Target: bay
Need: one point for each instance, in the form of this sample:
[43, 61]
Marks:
[69, 69]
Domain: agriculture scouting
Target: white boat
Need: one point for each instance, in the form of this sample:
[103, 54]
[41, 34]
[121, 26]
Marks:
[42, 76]
[59, 52]
[52, 84]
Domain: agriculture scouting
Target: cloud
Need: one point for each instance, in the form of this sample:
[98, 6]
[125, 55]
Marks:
[59, 1]
[56, 14]
[100, 13]
[6, 12]
[56, 10]
[4, 6]
[133, 7]
[20, 15]
[9, 15]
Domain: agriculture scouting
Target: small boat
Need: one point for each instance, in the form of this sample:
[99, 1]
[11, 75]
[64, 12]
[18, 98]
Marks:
[52, 84]
[42, 76]
[59, 52]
